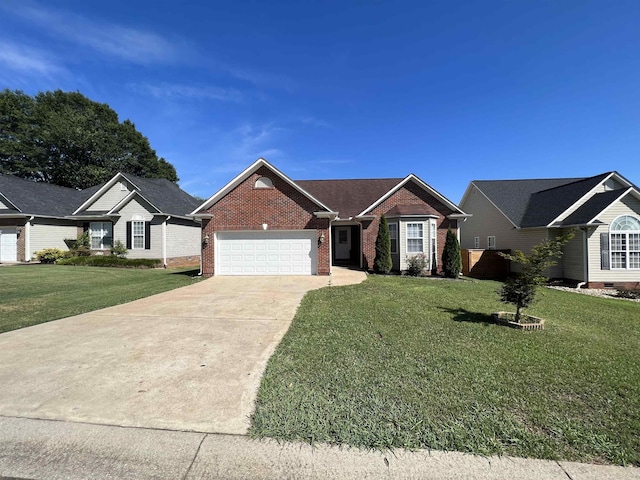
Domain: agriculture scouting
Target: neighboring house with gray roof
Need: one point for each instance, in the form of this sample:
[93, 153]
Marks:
[604, 210]
[149, 216]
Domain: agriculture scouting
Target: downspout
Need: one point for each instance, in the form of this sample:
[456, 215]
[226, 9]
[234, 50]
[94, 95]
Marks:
[164, 240]
[27, 239]
[330, 240]
[585, 254]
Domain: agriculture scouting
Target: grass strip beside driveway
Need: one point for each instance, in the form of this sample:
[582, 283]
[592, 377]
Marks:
[417, 363]
[40, 293]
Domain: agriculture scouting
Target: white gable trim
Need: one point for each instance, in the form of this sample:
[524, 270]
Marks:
[628, 191]
[473, 185]
[7, 201]
[587, 196]
[126, 200]
[260, 162]
[420, 183]
[102, 190]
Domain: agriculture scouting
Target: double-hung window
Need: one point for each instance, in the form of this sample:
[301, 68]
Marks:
[625, 243]
[137, 227]
[393, 235]
[101, 235]
[491, 242]
[415, 238]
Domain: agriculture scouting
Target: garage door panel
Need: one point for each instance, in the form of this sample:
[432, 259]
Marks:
[266, 253]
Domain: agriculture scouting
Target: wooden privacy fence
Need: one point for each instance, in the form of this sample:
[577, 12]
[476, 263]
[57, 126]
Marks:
[478, 263]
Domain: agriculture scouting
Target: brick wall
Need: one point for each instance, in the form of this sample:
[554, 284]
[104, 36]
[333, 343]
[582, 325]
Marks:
[409, 194]
[247, 208]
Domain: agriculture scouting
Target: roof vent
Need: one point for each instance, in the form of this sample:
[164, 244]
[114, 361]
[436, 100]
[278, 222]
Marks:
[264, 182]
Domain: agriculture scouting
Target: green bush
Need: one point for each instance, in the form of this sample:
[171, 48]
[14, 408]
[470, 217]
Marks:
[383, 262]
[416, 264]
[451, 258]
[49, 255]
[119, 250]
[111, 261]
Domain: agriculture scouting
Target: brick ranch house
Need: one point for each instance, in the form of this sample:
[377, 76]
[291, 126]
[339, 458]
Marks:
[264, 223]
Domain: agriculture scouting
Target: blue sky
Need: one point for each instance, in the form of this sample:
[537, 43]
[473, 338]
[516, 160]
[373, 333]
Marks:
[450, 91]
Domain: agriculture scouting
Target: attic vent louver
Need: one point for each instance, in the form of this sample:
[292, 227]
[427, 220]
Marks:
[264, 182]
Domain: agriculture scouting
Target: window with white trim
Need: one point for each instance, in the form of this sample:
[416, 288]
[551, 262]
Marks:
[137, 233]
[625, 242]
[415, 238]
[434, 243]
[101, 235]
[393, 235]
[476, 242]
[491, 242]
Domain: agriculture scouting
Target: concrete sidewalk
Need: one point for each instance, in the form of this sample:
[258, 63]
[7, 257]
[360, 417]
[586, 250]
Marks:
[45, 449]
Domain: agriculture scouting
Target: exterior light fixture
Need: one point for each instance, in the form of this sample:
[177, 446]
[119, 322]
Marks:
[265, 226]
[321, 237]
[206, 239]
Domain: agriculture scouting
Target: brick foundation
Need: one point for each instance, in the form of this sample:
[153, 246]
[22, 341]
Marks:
[600, 285]
[189, 261]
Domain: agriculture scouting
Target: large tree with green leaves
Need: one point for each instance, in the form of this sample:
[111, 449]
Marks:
[67, 139]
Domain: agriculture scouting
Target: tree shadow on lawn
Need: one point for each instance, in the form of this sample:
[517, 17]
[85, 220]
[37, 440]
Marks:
[462, 315]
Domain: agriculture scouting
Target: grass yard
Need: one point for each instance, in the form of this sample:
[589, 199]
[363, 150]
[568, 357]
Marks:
[417, 363]
[40, 293]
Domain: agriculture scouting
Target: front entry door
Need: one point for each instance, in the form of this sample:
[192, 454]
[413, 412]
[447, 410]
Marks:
[343, 243]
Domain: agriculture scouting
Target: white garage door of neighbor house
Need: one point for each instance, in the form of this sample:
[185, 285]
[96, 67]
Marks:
[276, 252]
[8, 245]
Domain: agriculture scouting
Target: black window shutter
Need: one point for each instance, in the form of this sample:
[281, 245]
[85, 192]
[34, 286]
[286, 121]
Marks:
[129, 235]
[147, 235]
[85, 227]
[604, 251]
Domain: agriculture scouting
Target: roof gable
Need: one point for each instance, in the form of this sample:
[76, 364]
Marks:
[261, 162]
[588, 212]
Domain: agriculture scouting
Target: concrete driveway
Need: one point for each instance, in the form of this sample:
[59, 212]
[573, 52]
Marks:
[188, 359]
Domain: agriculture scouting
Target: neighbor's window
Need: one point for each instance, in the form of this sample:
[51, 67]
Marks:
[476, 242]
[415, 238]
[393, 235]
[137, 227]
[101, 235]
[625, 242]
[491, 243]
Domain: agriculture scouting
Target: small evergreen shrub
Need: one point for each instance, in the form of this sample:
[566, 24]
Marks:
[111, 261]
[416, 264]
[451, 258]
[383, 262]
[119, 250]
[49, 255]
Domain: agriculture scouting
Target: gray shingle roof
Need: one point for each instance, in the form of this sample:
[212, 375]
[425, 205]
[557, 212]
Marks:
[592, 207]
[165, 195]
[44, 199]
[37, 198]
[536, 202]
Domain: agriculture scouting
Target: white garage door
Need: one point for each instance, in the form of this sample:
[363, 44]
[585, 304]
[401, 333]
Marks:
[276, 252]
[8, 245]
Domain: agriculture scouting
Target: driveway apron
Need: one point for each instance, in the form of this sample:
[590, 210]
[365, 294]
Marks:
[187, 359]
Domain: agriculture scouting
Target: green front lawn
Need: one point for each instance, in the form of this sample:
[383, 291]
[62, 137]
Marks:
[39, 293]
[417, 363]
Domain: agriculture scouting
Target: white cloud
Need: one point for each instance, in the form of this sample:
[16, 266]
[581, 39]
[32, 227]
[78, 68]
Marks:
[27, 60]
[174, 90]
[130, 44]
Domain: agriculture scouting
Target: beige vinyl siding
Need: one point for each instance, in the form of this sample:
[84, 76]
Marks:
[50, 234]
[487, 221]
[183, 238]
[109, 199]
[127, 212]
[629, 205]
[3, 206]
[571, 264]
